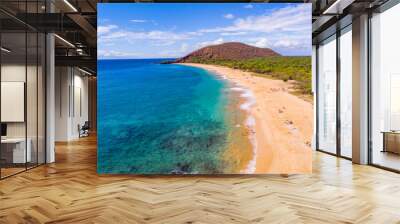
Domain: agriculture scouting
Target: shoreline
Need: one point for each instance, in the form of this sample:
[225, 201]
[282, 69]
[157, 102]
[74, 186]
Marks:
[249, 123]
[281, 128]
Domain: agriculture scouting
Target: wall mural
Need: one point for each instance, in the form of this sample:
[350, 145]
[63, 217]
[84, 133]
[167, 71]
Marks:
[204, 88]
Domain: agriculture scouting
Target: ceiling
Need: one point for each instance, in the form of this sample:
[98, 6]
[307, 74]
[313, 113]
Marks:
[331, 15]
[73, 21]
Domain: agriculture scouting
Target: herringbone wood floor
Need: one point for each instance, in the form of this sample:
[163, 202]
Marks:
[70, 191]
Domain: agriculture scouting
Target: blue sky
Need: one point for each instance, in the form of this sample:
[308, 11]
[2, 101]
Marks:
[161, 30]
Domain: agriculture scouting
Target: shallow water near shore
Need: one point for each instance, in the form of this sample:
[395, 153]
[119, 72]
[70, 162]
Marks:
[162, 119]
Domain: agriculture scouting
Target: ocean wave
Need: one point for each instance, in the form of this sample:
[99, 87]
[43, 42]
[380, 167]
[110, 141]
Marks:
[248, 94]
[251, 167]
[251, 100]
[250, 123]
[238, 89]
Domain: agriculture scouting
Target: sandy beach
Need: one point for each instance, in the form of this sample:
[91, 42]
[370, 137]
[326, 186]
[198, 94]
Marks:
[283, 122]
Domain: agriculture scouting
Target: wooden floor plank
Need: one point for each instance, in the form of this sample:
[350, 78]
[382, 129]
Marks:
[70, 191]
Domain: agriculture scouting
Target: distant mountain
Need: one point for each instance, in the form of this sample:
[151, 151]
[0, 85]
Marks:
[230, 50]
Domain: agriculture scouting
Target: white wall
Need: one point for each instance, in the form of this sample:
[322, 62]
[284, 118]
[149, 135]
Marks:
[33, 126]
[79, 117]
[62, 83]
[70, 83]
[12, 73]
[17, 73]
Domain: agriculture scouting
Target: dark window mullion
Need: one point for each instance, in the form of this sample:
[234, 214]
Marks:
[37, 90]
[338, 80]
[26, 86]
[0, 94]
[369, 96]
[317, 96]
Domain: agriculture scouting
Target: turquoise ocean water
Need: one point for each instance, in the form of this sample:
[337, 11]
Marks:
[160, 119]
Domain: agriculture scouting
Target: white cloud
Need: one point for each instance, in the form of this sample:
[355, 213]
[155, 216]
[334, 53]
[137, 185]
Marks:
[262, 42]
[155, 37]
[138, 21]
[105, 29]
[184, 47]
[289, 19]
[151, 35]
[117, 54]
[281, 43]
[229, 16]
[283, 30]
[194, 33]
[114, 35]
[287, 43]
[233, 33]
[162, 35]
[214, 42]
[249, 6]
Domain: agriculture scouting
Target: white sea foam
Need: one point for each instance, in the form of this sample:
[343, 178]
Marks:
[238, 89]
[250, 121]
[250, 100]
[246, 93]
[251, 167]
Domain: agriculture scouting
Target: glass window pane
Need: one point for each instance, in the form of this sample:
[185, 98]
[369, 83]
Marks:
[22, 88]
[327, 95]
[346, 92]
[14, 153]
[32, 95]
[41, 98]
[385, 95]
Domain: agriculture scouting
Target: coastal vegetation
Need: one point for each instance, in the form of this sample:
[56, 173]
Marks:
[263, 62]
[296, 68]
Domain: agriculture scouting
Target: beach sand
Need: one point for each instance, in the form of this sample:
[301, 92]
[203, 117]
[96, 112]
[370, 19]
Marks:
[283, 122]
